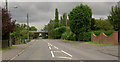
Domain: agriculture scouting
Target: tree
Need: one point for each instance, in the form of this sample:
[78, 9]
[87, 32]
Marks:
[33, 28]
[56, 15]
[115, 17]
[64, 19]
[80, 18]
[7, 25]
[103, 25]
[92, 24]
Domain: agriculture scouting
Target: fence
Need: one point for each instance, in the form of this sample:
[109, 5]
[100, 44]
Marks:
[102, 38]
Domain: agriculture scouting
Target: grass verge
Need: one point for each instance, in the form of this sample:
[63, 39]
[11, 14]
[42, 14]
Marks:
[101, 44]
[7, 48]
[72, 41]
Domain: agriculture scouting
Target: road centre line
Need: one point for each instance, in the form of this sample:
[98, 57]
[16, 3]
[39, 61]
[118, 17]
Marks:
[66, 53]
[52, 54]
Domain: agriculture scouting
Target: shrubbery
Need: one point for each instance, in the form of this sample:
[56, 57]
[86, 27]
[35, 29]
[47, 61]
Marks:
[69, 36]
[58, 32]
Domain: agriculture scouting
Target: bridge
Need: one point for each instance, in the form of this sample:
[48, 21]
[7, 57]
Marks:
[41, 32]
[38, 31]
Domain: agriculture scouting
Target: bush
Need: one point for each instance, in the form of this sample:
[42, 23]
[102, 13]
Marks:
[58, 32]
[84, 36]
[69, 36]
[64, 36]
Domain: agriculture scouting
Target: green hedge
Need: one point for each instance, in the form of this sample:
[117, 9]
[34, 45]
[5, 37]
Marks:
[97, 33]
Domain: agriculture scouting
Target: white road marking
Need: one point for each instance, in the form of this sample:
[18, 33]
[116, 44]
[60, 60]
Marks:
[52, 54]
[21, 52]
[49, 44]
[50, 48]
[14, 57]
[64, 57]
[66, 53]
[55, 47]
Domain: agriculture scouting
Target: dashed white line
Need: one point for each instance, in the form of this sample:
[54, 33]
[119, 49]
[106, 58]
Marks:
[66, 53]
[52, 54]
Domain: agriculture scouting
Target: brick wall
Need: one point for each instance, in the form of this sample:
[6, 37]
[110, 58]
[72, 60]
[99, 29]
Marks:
[102, 38]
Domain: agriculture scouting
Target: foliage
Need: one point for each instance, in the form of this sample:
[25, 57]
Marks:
[56, 15]
[32, 28]
[21, 31]
[69, 36]
[101, 44]
[79, 19]
[64, 19]
[92, 24]
[103, 25]
[58, 32]
[97, 33]
[7, 25]
[84, 36]
[115, 17]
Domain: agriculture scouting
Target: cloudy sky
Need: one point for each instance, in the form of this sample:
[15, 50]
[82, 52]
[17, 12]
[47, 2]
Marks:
[41, 12]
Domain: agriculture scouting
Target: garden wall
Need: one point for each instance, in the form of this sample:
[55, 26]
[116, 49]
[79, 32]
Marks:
[102, 38]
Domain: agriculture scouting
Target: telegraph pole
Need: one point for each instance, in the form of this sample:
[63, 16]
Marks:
[28, 25]
[6, 5]
[9, 40]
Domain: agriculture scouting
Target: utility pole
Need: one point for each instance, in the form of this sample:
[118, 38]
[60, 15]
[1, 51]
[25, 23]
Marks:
[9, 40]
[66, 22]
[6, 5]
[28, 25]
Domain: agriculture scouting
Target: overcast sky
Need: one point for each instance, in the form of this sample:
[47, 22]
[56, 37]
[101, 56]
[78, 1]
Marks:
[40, 13]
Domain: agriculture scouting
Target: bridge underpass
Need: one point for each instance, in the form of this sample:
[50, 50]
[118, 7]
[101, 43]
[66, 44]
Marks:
[43, 33]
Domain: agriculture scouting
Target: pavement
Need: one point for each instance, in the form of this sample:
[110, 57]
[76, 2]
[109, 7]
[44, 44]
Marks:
[15, 51]
[47, 49]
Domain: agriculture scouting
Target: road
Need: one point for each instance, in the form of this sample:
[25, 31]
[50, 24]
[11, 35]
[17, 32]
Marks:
[46, 49]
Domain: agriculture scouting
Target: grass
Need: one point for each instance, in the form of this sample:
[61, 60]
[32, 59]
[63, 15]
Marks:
[72, 41]
[7, 48]
[101, 44]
